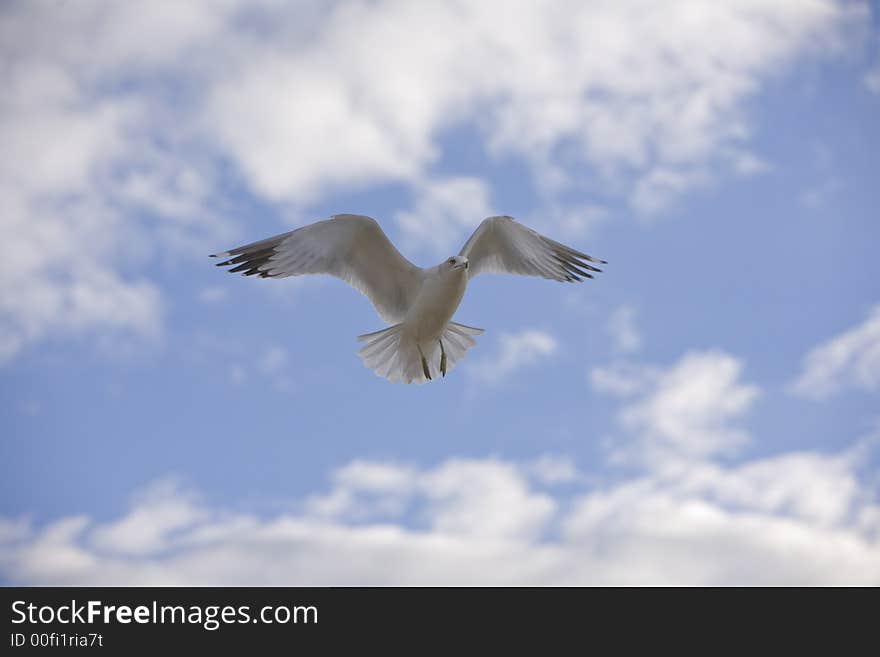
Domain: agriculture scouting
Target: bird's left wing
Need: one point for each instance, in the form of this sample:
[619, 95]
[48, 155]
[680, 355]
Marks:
[347, 246]
[503, 245]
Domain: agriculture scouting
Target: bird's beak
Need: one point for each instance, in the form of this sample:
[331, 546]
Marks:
[462, 265]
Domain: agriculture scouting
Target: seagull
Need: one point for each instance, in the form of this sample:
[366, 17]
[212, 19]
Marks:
[422, 341]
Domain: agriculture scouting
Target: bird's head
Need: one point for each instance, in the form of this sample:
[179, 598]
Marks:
[455, 263]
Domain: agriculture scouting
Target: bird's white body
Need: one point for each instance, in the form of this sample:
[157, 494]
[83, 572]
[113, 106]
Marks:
[422, 341]
[438, 298]
[427, 342]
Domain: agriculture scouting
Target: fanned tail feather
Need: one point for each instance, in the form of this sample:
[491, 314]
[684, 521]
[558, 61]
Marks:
[397, 356]
[457, 339]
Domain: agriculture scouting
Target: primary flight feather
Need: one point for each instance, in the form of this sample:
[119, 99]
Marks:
[422, 340]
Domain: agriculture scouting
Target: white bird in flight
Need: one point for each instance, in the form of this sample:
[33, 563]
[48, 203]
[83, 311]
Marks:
[422, 340]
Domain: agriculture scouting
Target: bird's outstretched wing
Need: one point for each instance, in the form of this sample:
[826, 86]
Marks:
[503, 245]
[349, 246]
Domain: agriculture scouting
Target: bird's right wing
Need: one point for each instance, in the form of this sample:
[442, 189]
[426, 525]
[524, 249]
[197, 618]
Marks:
[348, 246]
[503, 245]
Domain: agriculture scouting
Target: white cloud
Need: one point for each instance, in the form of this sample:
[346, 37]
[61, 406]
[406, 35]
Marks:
[79, 163]
[663, 532]
[623, 379]
[822, 194]
[366, 489]
[273, 360]
[516, 351]
[749, 164]
[573, 221]
[237, 375]
[375, 477]
[801, 518]
[689, 411]
[465, 497]
[445, 213]
[554, 469]
[623, 331]
[872, 80]
[269, 367]
[213, 294]
[821, 489]
[603, 77]
[872, 76]
[658, 188]
[851, 359]
[485, 499]
[157, 513]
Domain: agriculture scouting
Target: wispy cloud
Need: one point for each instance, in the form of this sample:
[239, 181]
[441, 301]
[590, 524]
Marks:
[267, 366]
[623, 330]
[366, 489]
[851, 359]
[157, 513]
[213, 294]
[554, 469]
[872, 80]
[516, 351]
[658, 188]
[623, 378]
[872, 76]
[273, 360]
[688, 411]
[822, 194]
[445, 212]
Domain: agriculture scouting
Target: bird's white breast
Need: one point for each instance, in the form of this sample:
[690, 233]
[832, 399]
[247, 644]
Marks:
[436, 303]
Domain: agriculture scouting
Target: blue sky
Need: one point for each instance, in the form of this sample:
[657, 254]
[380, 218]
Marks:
[705, 411]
